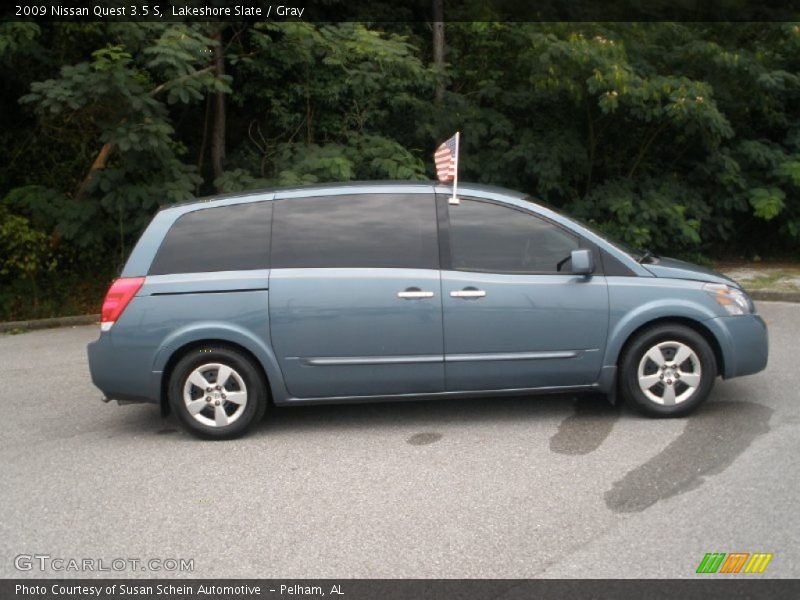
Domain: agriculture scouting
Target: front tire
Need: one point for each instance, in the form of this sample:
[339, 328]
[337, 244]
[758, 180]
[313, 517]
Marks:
[667, 371]
[217, 392]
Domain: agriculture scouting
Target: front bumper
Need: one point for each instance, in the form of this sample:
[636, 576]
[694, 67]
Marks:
[744, 344]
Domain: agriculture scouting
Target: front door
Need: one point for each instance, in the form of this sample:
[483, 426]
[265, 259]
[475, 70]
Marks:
[514, 316]
[355, 295]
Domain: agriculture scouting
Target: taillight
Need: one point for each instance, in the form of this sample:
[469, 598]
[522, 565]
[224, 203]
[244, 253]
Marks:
[119, 295]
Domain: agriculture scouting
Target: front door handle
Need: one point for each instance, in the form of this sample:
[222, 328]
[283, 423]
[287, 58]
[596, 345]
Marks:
[469, 292]
[414, 293]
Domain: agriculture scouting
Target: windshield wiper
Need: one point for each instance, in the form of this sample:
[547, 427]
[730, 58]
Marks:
[648, 256]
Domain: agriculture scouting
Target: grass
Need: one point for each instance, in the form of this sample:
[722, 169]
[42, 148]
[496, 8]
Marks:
[16, 331]
[774, 280]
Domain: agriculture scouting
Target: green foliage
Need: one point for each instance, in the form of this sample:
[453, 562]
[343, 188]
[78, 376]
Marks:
[359, 158]
[652, 213]
[681, 137]
[238, 180]
[767, 203]
[16, 37]
[331, 102]
[27, 252]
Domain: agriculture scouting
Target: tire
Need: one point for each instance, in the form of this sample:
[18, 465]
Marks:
[213, 410]
[675, 389]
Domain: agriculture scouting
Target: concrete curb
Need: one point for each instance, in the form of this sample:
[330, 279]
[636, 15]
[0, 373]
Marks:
[774, 295]
[48, 323]
[761, 295]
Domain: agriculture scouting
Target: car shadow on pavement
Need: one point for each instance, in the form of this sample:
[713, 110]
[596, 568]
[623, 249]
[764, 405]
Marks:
[417, 413]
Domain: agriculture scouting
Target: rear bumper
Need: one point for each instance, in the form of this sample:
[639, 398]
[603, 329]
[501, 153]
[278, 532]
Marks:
[744, 343]
[115, 374]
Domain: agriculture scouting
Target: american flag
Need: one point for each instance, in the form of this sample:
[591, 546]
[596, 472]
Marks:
[446, 159]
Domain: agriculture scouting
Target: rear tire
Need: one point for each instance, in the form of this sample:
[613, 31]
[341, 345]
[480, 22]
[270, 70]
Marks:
[217, 392]
[667, 371]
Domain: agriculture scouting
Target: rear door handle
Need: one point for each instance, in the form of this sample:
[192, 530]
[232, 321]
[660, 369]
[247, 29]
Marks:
[414, 293]
[468, 293]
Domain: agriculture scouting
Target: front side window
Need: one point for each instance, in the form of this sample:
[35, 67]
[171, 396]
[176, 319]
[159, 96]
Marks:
[363, 230]
[492, 238]
[225, 238]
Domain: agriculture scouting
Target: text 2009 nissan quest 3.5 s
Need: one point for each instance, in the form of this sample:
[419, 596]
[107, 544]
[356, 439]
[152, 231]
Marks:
[388, 291]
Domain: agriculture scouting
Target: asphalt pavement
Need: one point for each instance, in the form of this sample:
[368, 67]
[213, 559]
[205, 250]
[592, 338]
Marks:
[512, 487]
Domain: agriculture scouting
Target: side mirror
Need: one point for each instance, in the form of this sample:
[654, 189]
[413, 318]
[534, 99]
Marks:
[582, 262]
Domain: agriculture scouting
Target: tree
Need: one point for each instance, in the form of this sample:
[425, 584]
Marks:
[438, 47]
[218, 135]
[123, 104]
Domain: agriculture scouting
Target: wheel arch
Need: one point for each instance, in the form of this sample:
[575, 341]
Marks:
[179, 353]
[693, 324]
[181, 342]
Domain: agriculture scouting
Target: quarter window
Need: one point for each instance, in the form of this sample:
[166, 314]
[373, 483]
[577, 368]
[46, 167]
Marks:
[364, 230]
[225, 238]
[488, 237]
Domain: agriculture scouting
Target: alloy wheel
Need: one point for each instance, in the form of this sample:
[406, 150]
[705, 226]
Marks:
[669, 373]
[215, 395]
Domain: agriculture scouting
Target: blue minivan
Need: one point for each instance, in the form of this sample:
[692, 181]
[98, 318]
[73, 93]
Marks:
[394, 291]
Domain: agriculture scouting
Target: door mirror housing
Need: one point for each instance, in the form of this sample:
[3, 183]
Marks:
[582, 262]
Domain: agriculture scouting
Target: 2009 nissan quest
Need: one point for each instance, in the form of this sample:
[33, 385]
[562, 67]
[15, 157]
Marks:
[389, 291]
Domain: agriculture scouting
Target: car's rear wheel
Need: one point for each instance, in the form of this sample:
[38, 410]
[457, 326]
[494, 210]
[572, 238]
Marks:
[217, 392]
[667, 370]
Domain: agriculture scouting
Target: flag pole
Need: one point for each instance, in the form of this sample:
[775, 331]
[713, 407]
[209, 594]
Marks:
[454, 199]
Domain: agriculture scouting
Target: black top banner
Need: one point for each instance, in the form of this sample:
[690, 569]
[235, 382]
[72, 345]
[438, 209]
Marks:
[407, 11]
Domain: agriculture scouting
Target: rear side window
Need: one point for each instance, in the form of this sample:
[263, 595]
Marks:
[369, 230]
[492, 238]
[226, 238]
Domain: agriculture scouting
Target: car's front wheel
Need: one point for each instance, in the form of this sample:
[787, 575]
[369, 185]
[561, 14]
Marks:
[217, 392]
[667, 370]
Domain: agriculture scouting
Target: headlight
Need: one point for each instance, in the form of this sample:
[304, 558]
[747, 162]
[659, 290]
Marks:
[732, 299]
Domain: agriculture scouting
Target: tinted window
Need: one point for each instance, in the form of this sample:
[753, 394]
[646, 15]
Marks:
[498, 239]
[369, 230]
[227, 238]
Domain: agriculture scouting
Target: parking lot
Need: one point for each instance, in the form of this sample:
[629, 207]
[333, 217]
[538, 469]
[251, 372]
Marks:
[514, 487]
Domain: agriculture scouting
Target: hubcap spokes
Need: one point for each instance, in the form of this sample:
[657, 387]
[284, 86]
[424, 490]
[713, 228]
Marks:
[215, 395]
[669, 373]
